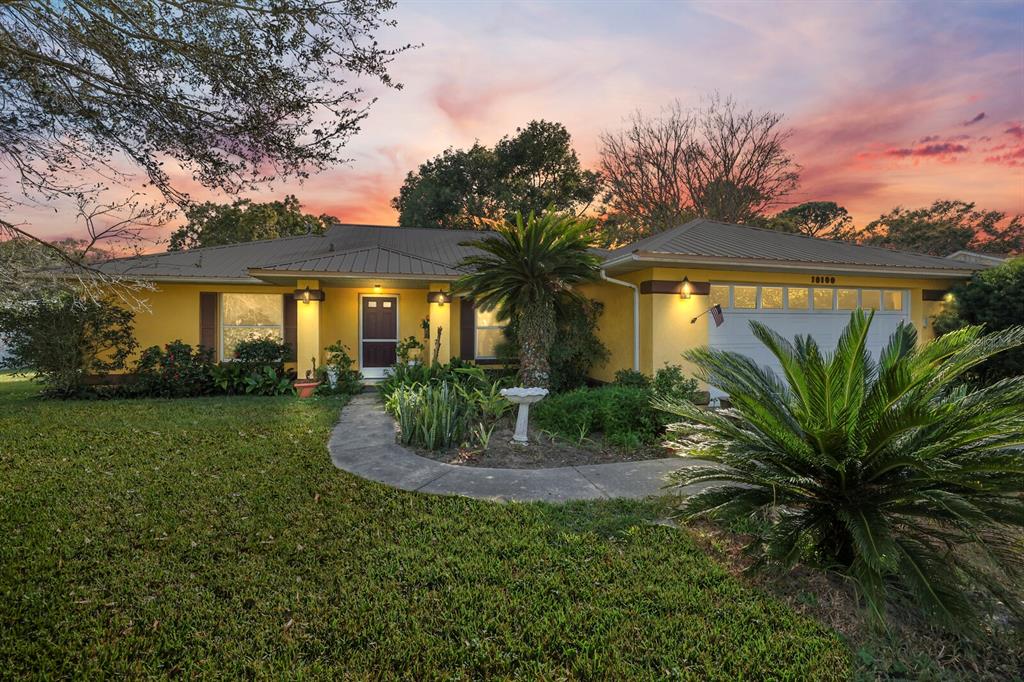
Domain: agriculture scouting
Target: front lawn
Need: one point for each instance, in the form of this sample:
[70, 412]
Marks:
[212, 536]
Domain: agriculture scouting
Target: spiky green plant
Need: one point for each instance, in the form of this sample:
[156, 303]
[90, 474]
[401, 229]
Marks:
[895, 472]
[526, 272]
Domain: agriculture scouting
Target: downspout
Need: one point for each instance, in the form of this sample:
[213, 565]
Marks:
[636, 315]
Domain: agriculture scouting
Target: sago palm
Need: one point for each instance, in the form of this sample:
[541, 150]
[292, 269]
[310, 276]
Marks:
[526, 272]
[894, 472]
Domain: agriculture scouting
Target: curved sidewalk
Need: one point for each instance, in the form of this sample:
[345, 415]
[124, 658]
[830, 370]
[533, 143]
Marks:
[363, 443]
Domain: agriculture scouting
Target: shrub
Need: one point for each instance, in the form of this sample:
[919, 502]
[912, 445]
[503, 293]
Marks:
[894, 472]
[349, 380]
[261, 351]
[623, 414]
[631, 377]
[993, 298]
[175, 371]
[63, 339]
[671, 384]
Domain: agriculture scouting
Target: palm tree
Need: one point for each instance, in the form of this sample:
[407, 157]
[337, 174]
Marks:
[896, 472]
[526, 272]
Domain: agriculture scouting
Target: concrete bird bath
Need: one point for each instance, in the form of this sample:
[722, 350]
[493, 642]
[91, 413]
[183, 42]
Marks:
[523, 397]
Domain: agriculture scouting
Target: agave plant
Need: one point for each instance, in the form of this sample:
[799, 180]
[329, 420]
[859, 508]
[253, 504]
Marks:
[897, 473]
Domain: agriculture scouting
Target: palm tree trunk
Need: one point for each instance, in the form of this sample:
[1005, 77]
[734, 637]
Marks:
[536, 334]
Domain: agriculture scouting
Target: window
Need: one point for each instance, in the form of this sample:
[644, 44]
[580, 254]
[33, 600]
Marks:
[249, 316]
[870, 299]
[823, 299]
[846, 299]
[489, 333]
[797, 298]
[744, 297]
[771, 298]
[892, 300]
[719, 295]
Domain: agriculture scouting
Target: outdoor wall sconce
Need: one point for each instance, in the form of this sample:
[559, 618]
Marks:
[376, 288]
[306, 295]
[686, 290]
[438, 297]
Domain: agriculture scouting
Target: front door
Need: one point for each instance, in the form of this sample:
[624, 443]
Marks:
[379, 334]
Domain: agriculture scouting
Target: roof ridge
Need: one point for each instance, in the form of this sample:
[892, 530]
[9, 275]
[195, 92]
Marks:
[331, 254]
[412, 227]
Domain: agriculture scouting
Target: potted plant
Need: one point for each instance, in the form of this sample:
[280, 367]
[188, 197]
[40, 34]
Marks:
[306, 387]
[405, 349]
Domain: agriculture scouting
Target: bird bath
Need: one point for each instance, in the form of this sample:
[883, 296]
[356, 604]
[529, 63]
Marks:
[523, 397]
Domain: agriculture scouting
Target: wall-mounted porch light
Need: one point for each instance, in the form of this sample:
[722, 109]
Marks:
[306, 295]
[438, 297]
[686, 290]
[376, 288]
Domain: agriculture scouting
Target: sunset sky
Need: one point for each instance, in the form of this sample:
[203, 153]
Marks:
[891, 103]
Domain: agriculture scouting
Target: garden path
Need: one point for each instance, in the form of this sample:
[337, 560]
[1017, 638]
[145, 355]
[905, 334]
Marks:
[363, 443]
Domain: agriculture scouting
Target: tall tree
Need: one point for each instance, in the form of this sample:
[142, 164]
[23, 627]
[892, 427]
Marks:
[717, 161]
[945, 227]
[212, 224]
[527, 272]
[821, 219]
[531, 171]
[235, 93]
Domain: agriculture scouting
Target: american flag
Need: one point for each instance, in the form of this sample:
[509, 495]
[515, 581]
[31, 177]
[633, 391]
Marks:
[716, 314]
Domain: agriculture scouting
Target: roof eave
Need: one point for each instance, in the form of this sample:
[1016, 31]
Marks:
[639, 258]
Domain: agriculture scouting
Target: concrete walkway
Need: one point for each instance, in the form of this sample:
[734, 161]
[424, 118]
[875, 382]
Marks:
[363, 443]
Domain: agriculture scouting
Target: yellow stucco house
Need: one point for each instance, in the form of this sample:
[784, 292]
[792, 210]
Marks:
[371, 286]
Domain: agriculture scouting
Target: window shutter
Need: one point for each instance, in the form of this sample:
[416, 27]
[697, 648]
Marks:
[208, 320]
[291, 326]
[467, 330]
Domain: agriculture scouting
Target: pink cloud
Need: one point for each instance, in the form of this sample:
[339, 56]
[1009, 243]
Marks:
[977, 119]
[940, 149]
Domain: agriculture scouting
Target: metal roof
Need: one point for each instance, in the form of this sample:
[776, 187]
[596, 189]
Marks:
[367, 261]
[410, 252]
[711, 239]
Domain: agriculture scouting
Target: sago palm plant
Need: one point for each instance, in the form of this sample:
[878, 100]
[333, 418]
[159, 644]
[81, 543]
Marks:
[895, 472]
[527, 271]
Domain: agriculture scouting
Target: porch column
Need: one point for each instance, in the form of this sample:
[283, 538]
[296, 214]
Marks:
[440, 323]
[307, 330]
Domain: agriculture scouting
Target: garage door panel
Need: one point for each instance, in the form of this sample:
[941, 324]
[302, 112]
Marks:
[826, 327]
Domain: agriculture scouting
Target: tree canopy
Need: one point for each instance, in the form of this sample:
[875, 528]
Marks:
[993, 298]
[529, 172]
[233, 93]
[213, 224]
[822, 219]
[945, 227]
[717, 161]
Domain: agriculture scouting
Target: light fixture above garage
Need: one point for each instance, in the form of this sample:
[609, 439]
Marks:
[306, 295]
[438, 297]
[686, 290]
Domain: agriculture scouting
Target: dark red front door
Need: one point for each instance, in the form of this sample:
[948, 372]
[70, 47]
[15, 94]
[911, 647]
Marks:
[380, 330]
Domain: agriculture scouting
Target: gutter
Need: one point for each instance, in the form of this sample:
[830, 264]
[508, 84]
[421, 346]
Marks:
[636, 315]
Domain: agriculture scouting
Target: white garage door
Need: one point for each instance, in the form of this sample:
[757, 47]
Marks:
[821, 312]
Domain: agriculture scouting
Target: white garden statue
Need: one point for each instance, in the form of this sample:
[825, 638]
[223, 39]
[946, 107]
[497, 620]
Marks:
[523, 397]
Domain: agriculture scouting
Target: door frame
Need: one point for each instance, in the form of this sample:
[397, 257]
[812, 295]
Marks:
[377, 372]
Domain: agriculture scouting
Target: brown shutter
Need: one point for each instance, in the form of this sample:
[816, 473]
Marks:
[291, 326]
[208, 320]
[467, 330]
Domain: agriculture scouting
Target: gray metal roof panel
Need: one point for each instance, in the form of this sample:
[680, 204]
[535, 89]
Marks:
[711, 238]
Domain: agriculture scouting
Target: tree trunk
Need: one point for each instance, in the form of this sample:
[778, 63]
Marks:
[536, 333]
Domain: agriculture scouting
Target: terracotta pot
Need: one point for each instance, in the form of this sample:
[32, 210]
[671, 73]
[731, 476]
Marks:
[304, 388]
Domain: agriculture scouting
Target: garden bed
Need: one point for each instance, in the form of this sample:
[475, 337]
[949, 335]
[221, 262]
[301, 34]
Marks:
[544, 451]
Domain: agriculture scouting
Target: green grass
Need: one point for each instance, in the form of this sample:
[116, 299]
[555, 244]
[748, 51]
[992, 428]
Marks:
[213, 537]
